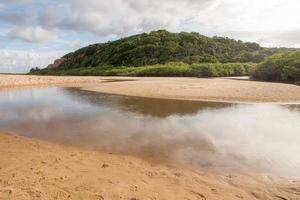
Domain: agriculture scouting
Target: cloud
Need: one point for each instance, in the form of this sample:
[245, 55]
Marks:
[23, 60]
[211, 17]
[121, 17]
[268, 39]
[17, 17]
[32, 34]
[292, 37]
[74, 43]
[16, 1]
[69, 24]
[118, 18]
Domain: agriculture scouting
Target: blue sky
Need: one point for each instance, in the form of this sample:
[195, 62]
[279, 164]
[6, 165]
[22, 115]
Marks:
[35, 32]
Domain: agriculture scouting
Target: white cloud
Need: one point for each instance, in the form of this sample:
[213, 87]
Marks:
[32, 34]
[74, 43]
[118, 18]
[261, 21]
[22, 60]
[212, 17]
[122, 17]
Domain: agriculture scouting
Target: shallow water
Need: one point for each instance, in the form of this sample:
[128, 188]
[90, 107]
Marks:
[211, 135]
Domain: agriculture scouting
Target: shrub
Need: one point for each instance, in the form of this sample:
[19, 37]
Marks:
[283, 67]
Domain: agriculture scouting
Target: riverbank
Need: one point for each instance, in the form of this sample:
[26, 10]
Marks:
[33, 169]
[204, 89]
[215, 89]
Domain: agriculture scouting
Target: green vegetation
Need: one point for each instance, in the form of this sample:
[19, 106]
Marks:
[161, 53]
[160, 47]
[169, 69]
[33, 70]
[283, 67]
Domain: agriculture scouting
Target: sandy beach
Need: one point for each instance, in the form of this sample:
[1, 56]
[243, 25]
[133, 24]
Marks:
[14, 81]
[217, 89]
[35, 169]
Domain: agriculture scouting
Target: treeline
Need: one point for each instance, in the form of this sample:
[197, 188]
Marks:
[169, 69]
[161, 47]
[282, 67]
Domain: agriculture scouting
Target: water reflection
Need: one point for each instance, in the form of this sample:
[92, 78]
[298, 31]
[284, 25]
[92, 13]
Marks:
[195, 133]
[146, 106]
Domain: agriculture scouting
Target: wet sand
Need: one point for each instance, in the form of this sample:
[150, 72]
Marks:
[33, 169]
[217, 89]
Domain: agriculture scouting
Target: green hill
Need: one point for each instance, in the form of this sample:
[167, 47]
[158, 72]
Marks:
[162, 47]
[161, 53]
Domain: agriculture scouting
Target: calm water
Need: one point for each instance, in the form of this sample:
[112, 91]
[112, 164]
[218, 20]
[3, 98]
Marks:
[211, 135]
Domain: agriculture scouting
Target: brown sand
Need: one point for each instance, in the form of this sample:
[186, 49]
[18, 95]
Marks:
[32, 169]
[13, 81]
[218, 89]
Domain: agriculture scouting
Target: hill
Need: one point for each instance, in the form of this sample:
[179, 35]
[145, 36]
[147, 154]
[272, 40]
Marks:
[161, 53]
[161, 47]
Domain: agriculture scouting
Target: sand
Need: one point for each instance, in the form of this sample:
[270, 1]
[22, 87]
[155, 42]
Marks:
[215, 89]
[13, 81]
[218, 89]
[34, 169]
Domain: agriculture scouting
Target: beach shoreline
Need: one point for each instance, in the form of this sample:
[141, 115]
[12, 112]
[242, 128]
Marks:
[195, 89]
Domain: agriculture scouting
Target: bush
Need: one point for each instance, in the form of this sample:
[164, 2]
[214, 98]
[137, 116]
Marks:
[283, 67]
[36, 69]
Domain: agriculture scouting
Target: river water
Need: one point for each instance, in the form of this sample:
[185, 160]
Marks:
[224, 136]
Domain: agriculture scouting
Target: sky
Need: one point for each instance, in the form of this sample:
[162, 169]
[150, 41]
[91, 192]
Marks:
[36, 32]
